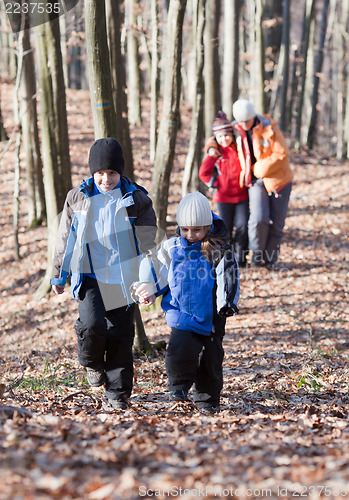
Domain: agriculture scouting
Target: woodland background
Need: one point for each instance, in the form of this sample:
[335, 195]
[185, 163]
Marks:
[283, 430]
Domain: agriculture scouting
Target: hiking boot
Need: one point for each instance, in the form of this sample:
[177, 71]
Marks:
[118, 404]
[207, 408]
[95, 378]
[179, 395]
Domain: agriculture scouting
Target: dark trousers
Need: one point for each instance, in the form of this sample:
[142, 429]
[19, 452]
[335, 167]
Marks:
[267, 220]
[192, 358]
[105, 338]
[236, 215]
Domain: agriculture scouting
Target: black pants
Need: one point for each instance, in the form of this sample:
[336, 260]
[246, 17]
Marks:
[105, 339]
[192, 358]
[235, 215]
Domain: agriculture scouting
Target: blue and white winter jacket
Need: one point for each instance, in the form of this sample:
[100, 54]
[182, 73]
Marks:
[135, 232]
[196, 286]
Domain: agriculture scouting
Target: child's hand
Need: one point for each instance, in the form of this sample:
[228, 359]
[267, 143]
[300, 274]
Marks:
[227, 311]
[213, 152]
[58, 289]
[145, 293]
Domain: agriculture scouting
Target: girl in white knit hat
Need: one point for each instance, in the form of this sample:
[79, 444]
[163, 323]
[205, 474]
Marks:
[203, 289]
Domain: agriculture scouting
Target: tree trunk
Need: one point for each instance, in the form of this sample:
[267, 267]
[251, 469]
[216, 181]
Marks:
[272, 36]
[308, 16]
[133, 87]
[30, 133]
[141, 342]
[155, 79]
[3, 134]
[211, 67]
[231, 54]
[316, 80]
[17, 166]
[62, 29]
[345, 35]
[257, 76]
[170, 113]
[98, 69]
[55, 143]
[286, 67]
[191, 180]
[101, 89]
[117, 64]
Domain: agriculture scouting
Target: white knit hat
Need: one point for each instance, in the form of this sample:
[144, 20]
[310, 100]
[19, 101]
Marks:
[243, 110]
[194, 210]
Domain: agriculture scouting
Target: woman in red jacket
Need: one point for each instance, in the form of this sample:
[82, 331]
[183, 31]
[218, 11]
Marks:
[221, 169]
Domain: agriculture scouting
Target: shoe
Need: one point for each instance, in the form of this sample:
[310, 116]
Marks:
[207, 408]
[95, 378]
[179, 395]
[118, 404]
[271, 266]
[256, 263]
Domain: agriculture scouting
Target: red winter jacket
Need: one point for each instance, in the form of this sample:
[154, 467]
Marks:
[229, 171]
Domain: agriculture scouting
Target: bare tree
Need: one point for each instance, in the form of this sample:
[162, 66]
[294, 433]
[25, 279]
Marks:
[54, 129]
[30, 135]
[192, 164]
[118, 73]
[285, 43]
[98, 68]
[308, 16]
[3, 134]
[212, 66]
[133, 87]
[155, 79]
[170, 113]
[317, 73]
[231, 52]
[256, 48]
[100, 86]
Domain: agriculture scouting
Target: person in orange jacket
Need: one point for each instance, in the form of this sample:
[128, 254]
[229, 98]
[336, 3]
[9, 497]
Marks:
[266, 172]
[221, 169]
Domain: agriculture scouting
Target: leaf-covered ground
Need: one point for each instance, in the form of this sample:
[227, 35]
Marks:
[283, 428]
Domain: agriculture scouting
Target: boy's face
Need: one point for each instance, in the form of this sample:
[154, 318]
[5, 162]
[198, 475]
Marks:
[247, 125]
[106, 180]
[224, 139]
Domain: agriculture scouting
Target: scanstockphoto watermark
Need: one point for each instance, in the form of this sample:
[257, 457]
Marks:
[205, 491]
[296, 491]
[28, 14]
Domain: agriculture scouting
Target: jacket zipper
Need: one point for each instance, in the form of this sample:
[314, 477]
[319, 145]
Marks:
[104, 242]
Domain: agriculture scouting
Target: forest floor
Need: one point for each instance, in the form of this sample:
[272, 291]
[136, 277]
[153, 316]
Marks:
[283, 428]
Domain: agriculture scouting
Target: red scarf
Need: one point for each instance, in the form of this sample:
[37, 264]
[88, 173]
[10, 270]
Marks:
[247, 155]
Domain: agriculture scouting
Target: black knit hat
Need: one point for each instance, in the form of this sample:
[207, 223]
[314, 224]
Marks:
[106, 154]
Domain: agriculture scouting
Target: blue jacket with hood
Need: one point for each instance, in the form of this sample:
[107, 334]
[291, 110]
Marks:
[196, 286]
[135, 231]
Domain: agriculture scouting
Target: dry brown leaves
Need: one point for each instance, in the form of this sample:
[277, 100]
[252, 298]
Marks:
[283, 428]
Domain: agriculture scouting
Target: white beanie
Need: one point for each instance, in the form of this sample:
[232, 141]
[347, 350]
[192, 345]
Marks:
[243, 110]
[194, 210]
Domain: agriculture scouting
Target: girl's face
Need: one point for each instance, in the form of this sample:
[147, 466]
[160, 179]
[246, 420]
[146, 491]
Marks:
[224, 139]
[107, 180]
[193, 234]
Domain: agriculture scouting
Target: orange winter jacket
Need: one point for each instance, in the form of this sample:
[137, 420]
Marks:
[271, 153]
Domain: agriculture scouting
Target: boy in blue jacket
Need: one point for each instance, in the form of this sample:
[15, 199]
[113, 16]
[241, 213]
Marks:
[105, 243]
[203, 289]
